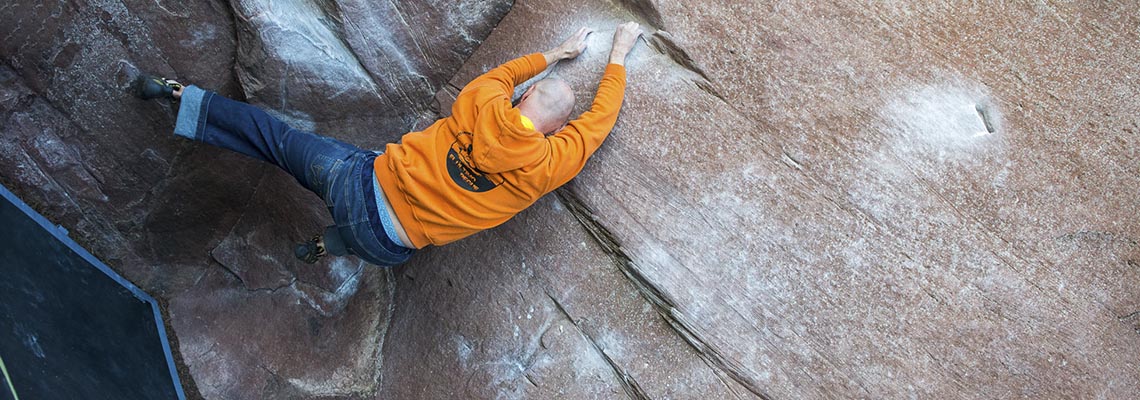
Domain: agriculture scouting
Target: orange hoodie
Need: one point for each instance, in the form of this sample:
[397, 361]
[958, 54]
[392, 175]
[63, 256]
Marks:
[479, 167]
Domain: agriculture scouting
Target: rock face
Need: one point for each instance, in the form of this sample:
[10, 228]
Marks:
[810, 200]
[208, 232]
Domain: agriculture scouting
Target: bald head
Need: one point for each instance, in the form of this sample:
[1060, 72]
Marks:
[548, 103]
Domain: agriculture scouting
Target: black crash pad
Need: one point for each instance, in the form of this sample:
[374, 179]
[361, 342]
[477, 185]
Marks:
[70, 327]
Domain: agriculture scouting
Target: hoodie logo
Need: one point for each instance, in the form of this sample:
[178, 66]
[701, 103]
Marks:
[462, 170]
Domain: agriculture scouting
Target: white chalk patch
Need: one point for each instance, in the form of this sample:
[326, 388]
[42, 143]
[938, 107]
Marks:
[343, 270]
[938, 114]
[946, 116]
[33, 344]
[329, 303]
[939, 128]
[200, 36]
[611, 343]
[463, 349]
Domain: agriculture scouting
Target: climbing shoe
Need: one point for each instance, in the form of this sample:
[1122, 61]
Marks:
[310, 251]
[148, 87]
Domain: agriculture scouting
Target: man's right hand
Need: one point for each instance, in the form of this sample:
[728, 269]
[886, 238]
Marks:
[624, 40]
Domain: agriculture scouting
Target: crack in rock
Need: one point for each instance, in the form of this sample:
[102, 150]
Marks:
[630, 385]
[663, 43]
[661, 301]
[644, 10]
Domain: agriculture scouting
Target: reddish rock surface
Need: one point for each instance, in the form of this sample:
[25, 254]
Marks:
[800, 200]
[209, 233]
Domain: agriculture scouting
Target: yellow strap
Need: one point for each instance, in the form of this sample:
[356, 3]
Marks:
[526, 122]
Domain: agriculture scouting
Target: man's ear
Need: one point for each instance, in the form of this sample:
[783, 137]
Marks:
[526, 93]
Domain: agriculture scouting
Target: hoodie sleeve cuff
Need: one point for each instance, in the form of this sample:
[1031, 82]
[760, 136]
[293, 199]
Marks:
[616, 69]
[538, 62]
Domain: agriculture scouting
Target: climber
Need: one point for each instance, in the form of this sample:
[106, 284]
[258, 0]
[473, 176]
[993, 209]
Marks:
[465, 173]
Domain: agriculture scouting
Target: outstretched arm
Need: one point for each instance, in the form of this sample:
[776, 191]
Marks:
[624, 39]
[505, 77]
[575, 143]
[569, 49]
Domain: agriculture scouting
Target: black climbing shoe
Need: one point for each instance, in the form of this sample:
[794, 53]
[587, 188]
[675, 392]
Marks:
[310, 251]
[148, 87]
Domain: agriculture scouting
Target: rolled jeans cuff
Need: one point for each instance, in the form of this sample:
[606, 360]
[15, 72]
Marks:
[191, 113]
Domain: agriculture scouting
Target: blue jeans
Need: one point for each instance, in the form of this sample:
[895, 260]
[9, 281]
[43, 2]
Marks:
[340, 173]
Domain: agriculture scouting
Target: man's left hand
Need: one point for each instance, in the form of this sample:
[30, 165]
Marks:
[571, 48]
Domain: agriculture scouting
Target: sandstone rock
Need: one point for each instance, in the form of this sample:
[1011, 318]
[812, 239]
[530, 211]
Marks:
[161, 209]
[72, 64]
[380, 63]
[535, 309]
[315, 343]
[862, 199]
[814, 199]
